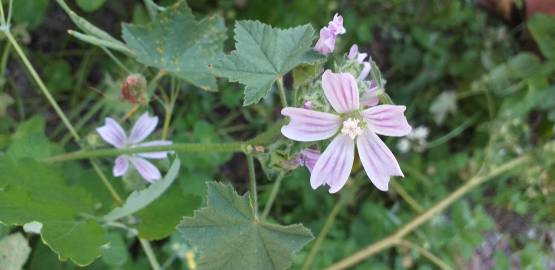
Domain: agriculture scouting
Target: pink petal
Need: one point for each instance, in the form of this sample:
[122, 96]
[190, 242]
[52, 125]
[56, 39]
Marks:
[361, 57]
[377, 160]
[341, 91]
[336, 25]
[142, 128]
[388, 120]
[308, 125]
[121, 165]
[334, 166]
[353, 52]
[146, 169]
[112, 133]
[365, 71]
[309, 157]
[326, 43]
[155, 155]
[370, 97]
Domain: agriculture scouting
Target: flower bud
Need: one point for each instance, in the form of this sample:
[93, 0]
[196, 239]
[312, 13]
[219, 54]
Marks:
[133, 89]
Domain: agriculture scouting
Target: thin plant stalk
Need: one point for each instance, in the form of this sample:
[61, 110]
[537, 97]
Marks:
[273, 194]
[424, 252]
[150, 254]
[281, 90]
[394, 238]
[252, 182]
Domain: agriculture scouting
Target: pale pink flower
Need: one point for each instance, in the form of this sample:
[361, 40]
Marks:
[114, 134]
[326, 43]
[328, 34]
[354, 54]
[336, 25]
[350, 125]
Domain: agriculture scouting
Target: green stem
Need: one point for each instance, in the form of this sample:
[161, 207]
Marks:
[273, 194]
[4, 59]
[282, 95]
[252, 180]
[407, 197]
[150, 254]
[177, 147]
[262, 139]
[323, 233]
[151, 8]
[57, 108]
[424, 252]
[394, 238]
[106, 183]
[41, 85]
[452, 134]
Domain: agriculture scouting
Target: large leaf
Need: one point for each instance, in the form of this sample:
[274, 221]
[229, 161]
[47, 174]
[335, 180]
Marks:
[263, 54]
[178, 43]
[542, 27]
[229, 236]
[142, 198]
[14, 251]
[31, 191]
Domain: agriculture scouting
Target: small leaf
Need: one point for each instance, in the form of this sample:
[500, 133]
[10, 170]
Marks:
[31, 12]
[142, 198]
[263, 54]
[229, 236]
[542, 27]
[14, 251]
[178, 43]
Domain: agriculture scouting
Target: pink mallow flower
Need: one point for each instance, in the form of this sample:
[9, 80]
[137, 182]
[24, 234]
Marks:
[114, 134]
[350, 125]
[328, 34]
[336, 25]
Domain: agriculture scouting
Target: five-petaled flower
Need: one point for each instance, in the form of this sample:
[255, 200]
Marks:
[351, 124]
[328, 34]
[114, 134]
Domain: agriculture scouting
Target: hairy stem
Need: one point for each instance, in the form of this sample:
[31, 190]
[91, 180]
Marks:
[273, 194]
[282, 95]
[394, 238]
[407, 197]
[177, 147]
[424, 252]
[262, 139]
[41, 84]
[106, 183]
[323, 233]
[150, 254]
[252, 181]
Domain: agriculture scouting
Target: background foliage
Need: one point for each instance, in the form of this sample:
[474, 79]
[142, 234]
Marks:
[484, 88]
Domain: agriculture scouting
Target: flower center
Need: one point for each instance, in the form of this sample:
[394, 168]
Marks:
[352, 128]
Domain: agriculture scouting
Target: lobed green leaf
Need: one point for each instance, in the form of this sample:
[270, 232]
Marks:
[263, 54]
[228, 234]
[178, 43]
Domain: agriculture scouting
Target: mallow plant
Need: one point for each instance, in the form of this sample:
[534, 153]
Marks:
[335, 115]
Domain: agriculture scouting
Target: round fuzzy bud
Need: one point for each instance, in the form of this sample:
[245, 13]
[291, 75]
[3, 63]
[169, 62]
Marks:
[133, 89]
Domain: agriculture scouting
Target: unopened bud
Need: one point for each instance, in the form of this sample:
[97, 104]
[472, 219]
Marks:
[133, 89]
